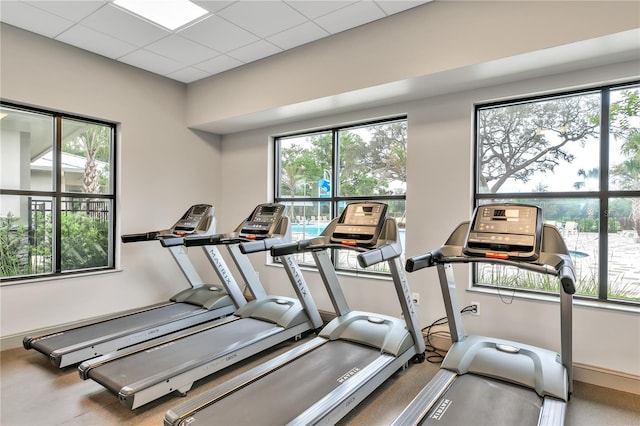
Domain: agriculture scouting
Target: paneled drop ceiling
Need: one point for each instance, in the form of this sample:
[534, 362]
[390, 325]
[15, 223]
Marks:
[232, 34]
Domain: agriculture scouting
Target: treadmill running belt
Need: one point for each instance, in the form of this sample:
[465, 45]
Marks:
[166, 360]
[478, 400]
[282, 395]
[116, 327]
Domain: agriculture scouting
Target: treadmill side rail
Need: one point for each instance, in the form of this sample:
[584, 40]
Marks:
[335, 405]
[553, 412]
[426, 398]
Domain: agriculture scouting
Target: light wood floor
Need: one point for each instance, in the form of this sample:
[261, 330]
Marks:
[34, 393]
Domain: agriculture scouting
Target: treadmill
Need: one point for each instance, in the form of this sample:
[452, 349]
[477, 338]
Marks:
[490, 381]
[146, 372]
[199, 304]
[323, 379]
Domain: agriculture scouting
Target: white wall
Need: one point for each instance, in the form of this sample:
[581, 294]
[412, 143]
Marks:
[439, 196]
[164, 168]
[160, 156]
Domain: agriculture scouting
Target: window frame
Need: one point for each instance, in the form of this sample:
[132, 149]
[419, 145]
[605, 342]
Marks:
[57, 195]
[333, 198]
[602, 195]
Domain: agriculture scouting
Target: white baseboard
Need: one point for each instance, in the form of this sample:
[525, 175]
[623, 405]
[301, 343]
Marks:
[15, 340]
[11, 342]
[606, 378]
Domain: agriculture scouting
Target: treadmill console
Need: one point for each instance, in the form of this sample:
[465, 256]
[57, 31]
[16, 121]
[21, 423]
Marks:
[505, 231]
[360, 224]
[197, 218]
[263, 221]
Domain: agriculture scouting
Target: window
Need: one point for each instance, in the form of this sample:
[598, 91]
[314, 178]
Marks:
[57, 193]
[577, 155]
[318, 173]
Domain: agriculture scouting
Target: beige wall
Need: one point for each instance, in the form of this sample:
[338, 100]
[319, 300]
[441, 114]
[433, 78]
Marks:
[163, 168]
[436, 40]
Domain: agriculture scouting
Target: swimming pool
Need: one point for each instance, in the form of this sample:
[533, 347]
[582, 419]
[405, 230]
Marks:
[310, 230]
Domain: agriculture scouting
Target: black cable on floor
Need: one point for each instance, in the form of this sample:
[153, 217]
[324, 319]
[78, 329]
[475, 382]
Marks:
[434, 354]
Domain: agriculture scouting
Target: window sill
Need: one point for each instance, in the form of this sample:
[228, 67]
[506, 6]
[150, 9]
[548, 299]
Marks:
[58, 277]
[507, 293]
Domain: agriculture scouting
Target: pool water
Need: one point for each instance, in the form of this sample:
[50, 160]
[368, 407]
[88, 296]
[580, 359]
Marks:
[310, 230]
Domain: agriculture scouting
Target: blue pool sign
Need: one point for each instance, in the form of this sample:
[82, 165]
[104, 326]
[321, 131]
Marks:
[324, 188]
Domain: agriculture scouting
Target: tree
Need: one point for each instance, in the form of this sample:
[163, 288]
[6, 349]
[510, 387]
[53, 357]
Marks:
[627, 173]
[368, 165]
[371, 161]
[357, 167]
[93, 143]
[520, 140]
[586, 175]
[389, 149]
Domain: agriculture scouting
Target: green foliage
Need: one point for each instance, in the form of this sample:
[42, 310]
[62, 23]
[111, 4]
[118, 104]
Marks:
[84, 241]
[366, 167]
[12, 252]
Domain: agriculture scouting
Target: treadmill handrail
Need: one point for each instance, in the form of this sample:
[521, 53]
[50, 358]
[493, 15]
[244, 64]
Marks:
[556, 264]
[218, 239]
[563, 268]
[144, 236]
[313, 244]
[253, 246]
[381, 254]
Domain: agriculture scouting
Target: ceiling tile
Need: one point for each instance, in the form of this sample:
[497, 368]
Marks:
[73, 10]
[297, 36]
[219, 64]
[117, 23]
[32, 19]
[182, 50]
[254, 51]
[94, 41]
[262, 18]
[151, 62]
[213, 6]
[313, 9]
[218, 34]
[350, 16]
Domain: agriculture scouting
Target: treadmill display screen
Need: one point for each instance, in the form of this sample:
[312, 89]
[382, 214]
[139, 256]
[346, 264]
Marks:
[195, 219]
[263, 221]
[360, 223]
[199, 209]
[505, 231]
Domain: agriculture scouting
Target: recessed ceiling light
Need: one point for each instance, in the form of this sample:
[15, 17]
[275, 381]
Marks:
[170, 14]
